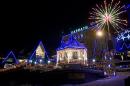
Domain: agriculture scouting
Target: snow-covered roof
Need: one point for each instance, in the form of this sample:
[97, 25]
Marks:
[71, 43]
[8, 56]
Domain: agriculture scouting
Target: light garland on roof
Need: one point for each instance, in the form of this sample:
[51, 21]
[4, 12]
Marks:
[79, 29]
[124, 35]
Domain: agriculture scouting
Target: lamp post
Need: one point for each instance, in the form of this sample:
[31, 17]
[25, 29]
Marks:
[106, 16]
[110, 70]
[100, 34]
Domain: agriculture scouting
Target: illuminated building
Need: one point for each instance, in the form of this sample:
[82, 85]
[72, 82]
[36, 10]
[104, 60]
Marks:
[123, 39]
[71, 51]
[10, 59]
[40, 51]
[39, 55]
[96, 45]
[123, 43]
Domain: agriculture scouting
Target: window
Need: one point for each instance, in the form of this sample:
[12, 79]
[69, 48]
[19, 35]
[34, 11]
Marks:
[75, 55]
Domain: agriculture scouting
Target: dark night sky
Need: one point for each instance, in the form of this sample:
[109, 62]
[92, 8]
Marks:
[24, 23]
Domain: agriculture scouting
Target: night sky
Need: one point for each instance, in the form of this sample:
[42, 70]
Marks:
[23, 24]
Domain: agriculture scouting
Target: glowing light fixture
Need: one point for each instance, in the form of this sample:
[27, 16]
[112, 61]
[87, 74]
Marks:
[79, 58]
[30, 61]
[40, 60]
[94, 60]
[35, 62]
[105, 73]
[109, 65]
[20, 60]
[99, 33]
[49, 62]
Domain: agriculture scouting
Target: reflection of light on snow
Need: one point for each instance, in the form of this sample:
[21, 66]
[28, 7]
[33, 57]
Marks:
[105, 73]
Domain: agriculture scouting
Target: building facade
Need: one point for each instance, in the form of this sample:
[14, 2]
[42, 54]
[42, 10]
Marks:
[71, 51]
[96, 46]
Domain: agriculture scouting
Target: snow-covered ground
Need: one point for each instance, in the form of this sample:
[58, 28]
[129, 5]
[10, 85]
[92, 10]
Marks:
[109, 81]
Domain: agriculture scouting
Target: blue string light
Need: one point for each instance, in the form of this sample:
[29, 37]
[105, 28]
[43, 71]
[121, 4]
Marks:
[124, 35]
[124, 44]
[40, 43]
[10, 53]
[80, 29]
[128, 6]
[71, 43]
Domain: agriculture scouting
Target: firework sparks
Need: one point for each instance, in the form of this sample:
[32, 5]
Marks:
[108, 14]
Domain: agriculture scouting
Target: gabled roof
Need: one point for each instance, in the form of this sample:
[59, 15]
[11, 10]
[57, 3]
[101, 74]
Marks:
[71, 43]
[8, 55]
[39, 44]
[125, 45]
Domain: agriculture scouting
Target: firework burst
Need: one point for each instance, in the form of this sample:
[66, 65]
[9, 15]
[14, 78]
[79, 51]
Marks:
[107, 15]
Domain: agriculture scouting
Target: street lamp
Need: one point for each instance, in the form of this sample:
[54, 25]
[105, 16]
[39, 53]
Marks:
[99, 41]
[99, 33]
[40, 60]
[106, 16]
[35, 62]
[49, 61]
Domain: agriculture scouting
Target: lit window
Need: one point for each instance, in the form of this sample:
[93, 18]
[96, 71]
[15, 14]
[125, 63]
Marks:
[39, 52]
